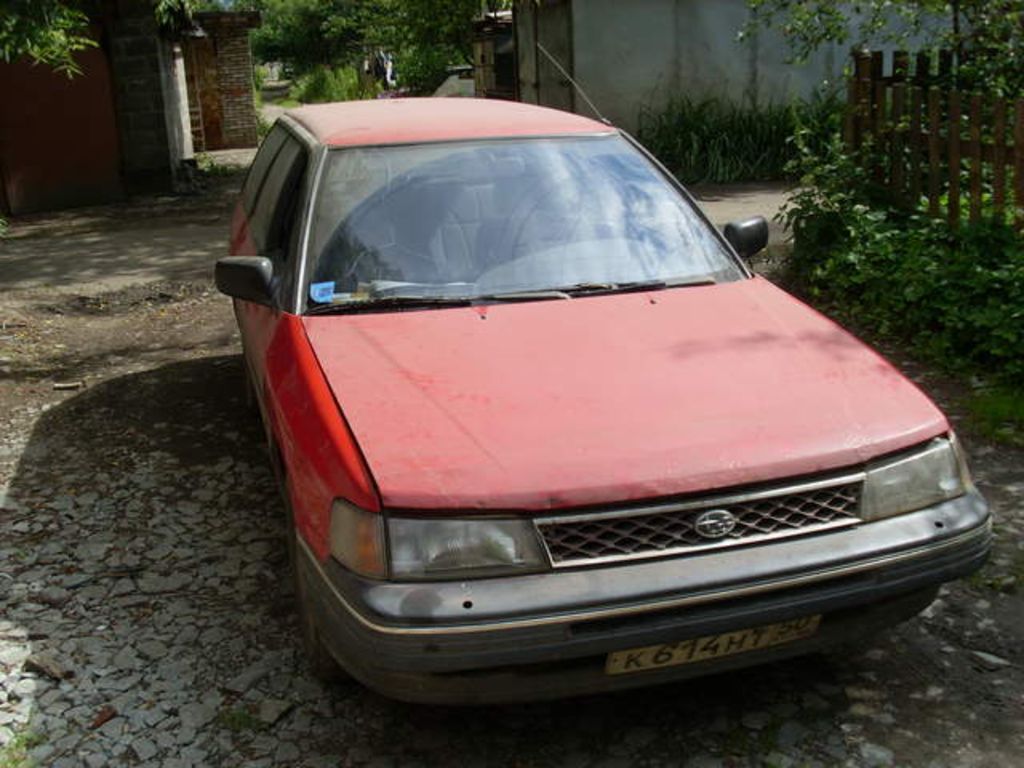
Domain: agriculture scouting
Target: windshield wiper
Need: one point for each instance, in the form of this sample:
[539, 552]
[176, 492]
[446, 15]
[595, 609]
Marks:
[543, 293]
[671, 282]
[591, 289]
[567, 292]
[403, 302]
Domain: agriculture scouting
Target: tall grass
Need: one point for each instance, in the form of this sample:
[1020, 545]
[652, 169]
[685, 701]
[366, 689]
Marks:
[332, 84]
[718, 142]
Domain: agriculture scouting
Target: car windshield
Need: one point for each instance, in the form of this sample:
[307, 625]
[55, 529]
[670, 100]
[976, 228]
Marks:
[462, 221]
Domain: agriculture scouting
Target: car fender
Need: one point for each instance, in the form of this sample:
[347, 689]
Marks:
[318, 451]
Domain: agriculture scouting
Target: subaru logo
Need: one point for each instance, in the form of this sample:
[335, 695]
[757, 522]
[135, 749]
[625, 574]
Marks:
[715, 523]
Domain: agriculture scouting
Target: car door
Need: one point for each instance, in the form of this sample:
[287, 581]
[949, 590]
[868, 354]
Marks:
[272, 229]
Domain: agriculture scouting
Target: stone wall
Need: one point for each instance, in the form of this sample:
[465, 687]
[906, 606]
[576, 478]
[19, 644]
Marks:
[136, 61]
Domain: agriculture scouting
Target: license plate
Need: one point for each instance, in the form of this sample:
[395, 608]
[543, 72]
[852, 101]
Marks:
[710, 647]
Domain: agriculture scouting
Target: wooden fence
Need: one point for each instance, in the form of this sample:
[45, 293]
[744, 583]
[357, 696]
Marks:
[925, 139]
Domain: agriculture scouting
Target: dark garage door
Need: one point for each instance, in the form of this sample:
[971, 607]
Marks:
[58, 136]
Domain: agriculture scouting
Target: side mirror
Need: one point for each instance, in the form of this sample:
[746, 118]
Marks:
[245, 277]
[748, 237]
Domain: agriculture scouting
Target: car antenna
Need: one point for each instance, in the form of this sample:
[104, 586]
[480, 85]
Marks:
[575, 85]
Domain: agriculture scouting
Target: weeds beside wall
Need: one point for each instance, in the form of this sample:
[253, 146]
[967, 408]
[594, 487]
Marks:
[324, 84]
[718, 142]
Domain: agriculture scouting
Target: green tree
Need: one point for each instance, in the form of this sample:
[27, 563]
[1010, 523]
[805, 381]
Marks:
[988, 35]
[45, 31]
[425, 36]
[305, 34]
[51, 32]
[176, 15]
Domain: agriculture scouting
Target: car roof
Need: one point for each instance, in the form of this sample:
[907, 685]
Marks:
[417, 120]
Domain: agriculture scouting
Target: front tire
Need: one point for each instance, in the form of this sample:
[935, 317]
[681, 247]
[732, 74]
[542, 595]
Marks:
[322, 664]
[252, 404]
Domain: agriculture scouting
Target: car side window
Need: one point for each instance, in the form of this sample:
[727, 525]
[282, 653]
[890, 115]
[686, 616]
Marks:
[270, 222]
[275, 218]
[258, 171]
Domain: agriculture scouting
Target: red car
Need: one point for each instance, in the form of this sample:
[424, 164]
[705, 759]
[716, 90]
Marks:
[541, 431]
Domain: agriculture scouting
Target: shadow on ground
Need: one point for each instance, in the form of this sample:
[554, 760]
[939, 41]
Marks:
[113, 259]
[171, 237]
[146, 563]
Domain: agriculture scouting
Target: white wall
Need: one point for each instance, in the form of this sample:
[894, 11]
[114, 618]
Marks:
[637, 53]
[179, 129]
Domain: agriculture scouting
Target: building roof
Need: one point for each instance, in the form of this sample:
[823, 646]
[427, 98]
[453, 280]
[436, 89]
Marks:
[412, 121]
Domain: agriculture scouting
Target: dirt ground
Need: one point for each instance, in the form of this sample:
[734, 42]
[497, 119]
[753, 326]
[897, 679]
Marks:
[145, 610]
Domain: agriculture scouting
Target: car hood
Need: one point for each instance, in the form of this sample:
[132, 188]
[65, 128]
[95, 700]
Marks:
[603, 399]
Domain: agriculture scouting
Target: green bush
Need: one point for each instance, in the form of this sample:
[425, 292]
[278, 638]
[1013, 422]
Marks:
[957, 296]
[422, 69]
[259, 77]
[715, 141]
[325, 84]
[263, 127]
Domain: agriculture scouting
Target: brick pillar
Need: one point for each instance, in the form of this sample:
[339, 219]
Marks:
[234, 77]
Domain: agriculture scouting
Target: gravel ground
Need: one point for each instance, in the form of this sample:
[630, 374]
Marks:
[146, 614]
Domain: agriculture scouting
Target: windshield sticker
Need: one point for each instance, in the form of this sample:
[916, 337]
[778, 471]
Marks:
[322, 292]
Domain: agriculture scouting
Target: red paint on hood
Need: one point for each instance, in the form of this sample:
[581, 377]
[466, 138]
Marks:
[560, 403]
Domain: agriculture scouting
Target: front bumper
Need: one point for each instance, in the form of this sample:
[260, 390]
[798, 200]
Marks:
[547, 635]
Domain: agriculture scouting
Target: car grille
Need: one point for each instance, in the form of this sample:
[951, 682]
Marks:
[583, 539]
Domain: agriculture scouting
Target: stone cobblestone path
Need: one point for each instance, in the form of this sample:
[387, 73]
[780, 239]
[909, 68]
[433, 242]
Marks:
[146, 612]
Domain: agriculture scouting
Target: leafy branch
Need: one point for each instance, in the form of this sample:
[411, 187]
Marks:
[46, 31]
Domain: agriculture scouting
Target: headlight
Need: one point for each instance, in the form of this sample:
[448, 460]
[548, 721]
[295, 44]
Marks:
[357, 539]
[440, 548]
[930, 476]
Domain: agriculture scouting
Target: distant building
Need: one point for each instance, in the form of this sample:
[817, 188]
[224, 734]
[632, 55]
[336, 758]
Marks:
[494, 56]
[218, 73]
